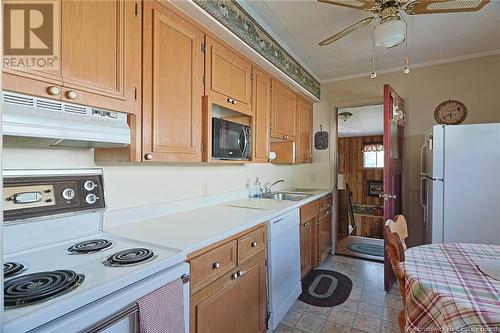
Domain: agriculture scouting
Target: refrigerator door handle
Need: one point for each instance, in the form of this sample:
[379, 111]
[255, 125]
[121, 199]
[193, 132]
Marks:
[422, 182]
[422, 162]
[424, 205]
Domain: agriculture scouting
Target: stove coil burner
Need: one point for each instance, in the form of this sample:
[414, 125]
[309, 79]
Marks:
[12, 268]
[129, 257]
[90, 246]
[36, 287]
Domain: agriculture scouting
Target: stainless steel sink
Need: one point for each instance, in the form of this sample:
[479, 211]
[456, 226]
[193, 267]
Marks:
[286, 196]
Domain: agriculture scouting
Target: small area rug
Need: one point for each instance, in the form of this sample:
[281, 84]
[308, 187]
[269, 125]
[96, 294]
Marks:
[364, 248]
[325, 288]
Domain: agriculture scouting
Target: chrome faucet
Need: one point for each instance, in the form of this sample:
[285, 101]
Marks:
[267, 187]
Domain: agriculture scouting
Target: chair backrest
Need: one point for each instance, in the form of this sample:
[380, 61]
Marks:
[396, 247]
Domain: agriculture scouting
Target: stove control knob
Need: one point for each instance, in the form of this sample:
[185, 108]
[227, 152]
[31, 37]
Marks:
[91, 198]
[68, 194]
[89, 185]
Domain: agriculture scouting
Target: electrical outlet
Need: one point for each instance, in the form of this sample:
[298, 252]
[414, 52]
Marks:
[312, 177]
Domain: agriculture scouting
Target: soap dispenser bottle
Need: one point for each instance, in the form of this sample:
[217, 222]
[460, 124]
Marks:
[256, 188]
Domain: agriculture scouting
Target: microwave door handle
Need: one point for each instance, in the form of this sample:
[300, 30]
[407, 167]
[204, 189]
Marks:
[243, 139]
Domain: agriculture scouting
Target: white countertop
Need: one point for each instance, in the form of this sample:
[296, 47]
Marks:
[194, 229]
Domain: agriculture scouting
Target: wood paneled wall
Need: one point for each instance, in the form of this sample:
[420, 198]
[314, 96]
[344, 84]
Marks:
[351, 165]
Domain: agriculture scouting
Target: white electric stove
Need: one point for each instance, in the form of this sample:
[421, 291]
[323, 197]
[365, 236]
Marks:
[60, 271]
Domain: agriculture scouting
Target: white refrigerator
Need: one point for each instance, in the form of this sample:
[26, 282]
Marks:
[460, 183]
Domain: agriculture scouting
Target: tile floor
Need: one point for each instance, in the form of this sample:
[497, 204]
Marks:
[368, 309]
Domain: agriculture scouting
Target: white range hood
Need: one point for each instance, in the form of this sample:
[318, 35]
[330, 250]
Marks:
[29, 121]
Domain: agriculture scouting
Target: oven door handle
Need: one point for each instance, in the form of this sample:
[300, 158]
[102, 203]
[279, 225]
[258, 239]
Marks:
[243, 139]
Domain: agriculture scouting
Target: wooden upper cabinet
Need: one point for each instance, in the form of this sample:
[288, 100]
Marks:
[172, 86]
[228, 77]
[262, 115]
[99, 60]
[283, 112]
[37, 82]
[304, 131]
[100, 46]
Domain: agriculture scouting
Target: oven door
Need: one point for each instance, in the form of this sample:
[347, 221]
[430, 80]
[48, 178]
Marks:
[118, 312]
[229, 140]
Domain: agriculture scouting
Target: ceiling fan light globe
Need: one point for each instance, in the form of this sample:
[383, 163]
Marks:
[406, 70]
[390, 33]
[373, 75]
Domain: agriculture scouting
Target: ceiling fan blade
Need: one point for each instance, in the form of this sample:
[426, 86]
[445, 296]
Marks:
[444, 6]
[371, 5]
[347, 31]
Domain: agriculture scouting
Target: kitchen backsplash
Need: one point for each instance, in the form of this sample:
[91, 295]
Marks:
[132, 184]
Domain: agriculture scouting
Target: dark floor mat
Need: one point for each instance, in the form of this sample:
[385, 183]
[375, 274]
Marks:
[325, 288]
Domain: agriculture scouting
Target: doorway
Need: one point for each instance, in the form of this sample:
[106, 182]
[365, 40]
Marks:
[360, 181]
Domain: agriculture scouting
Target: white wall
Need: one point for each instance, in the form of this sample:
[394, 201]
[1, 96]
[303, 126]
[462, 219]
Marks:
[133, 184]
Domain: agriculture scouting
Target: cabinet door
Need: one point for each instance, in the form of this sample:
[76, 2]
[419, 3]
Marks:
[304, 131]
[306, 246]
[262, 115]
[239, 307]
[37, 82]
[229, 76]
[100, 47]
[172, 86]
[283, 112]
[324, 234]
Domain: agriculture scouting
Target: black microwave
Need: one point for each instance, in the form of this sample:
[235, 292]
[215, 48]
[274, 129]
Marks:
[230, 140]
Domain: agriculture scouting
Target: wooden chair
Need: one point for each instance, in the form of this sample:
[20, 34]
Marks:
[396, 231]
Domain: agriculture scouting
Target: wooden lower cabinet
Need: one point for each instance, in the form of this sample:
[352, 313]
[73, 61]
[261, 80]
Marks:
[234, 304]
[315, 233]
[237, 300]
[324, 234]
[306, 246]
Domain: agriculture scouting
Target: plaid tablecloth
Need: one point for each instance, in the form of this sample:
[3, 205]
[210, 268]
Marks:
[446, 292]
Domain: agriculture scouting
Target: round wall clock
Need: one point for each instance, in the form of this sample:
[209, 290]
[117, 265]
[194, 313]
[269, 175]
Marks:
[450, 112]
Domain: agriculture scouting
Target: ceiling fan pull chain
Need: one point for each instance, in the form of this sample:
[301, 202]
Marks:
[373, 74]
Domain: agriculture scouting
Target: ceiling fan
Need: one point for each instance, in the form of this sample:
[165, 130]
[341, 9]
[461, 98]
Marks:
[390, 27]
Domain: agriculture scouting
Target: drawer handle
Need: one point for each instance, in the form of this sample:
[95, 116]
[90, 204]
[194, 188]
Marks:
[230, 100]
[72, 94]
[148, 156]
[253, 244]
[53, 90]
[236, 275]
[306, 224]
[216, 265]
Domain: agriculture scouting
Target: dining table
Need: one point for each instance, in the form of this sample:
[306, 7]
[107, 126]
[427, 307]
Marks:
[446, 291]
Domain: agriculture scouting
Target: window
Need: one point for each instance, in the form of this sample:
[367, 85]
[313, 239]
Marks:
[373, 155]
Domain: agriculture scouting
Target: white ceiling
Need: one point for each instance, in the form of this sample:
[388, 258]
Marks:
[365, 120]
[301, 24]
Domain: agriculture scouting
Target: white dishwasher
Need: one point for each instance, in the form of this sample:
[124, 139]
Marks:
[283, 265]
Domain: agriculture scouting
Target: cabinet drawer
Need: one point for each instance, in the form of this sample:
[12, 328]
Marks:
[308, 211]
[251, 244]
[325, 203]
[209, 266]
